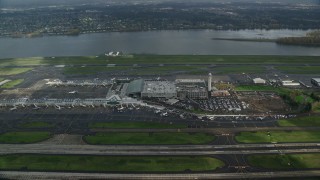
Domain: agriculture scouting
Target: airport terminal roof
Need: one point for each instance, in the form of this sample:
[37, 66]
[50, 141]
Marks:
[316, 79]
[135, 86]
[159, 87]
[190, 81]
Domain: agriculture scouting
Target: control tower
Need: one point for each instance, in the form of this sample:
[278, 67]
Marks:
[209, 82]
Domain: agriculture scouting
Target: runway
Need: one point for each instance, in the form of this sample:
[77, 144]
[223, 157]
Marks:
[216, 131]
[248, 175]
[157, 150]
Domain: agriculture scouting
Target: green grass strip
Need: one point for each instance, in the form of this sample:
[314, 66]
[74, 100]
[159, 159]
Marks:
[108, 163]
[149, 138]
[12, 84]
[13, 71]
[288, 161]
[278, 136]
[93, 69]
[301, 121]
[24, 137]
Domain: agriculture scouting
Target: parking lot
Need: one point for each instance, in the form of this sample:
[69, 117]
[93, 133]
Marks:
[220, 104]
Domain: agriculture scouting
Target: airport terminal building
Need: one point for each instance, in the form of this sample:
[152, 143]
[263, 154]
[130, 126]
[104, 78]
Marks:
[158, 89]
[151, 89]
[315, 81]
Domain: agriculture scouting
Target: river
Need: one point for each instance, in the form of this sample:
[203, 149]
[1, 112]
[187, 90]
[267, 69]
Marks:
[155, 42]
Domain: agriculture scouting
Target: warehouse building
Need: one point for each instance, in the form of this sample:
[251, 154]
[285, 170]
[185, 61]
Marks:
[315, 81]
[158, 89]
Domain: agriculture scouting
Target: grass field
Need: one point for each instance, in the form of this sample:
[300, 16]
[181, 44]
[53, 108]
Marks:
[301, 121]
[316, 107]
[161, 59]
[13, 71]
[240, 69]
[108, 163]
[149, 138]
[278, 136]
[152, 125]
[24, 137]
[298, 161]
[92, 69]
[32, 61]
[299, 69]
[37, 124]
[11, 84]
[1, 79]
[162, 70]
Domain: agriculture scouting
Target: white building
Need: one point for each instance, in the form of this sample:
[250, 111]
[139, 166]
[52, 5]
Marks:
[259, 81]
[290, 83]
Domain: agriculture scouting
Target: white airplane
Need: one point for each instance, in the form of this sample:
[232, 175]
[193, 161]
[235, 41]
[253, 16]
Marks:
[157, 111]
[72, 92]
[164, 114]
[58, 107]
[121, 108]
[36, 107]
[14, 108]
[82, 105]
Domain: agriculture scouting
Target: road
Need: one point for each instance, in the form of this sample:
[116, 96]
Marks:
[64, 175]
[159, 150]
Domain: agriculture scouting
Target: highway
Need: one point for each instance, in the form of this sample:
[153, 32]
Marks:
[159, 150]
[64, 175]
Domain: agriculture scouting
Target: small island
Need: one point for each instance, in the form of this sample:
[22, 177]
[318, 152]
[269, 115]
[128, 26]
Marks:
[311, 39]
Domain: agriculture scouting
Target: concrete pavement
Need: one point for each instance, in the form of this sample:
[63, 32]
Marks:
[160, 150]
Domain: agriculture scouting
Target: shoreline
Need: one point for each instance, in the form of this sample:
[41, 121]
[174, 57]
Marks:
[28, 36]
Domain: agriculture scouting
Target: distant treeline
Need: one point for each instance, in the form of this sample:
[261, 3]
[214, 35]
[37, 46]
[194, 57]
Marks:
[311, 39]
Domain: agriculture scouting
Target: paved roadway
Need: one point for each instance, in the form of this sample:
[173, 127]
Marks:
[65, 175]
[161, 149]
